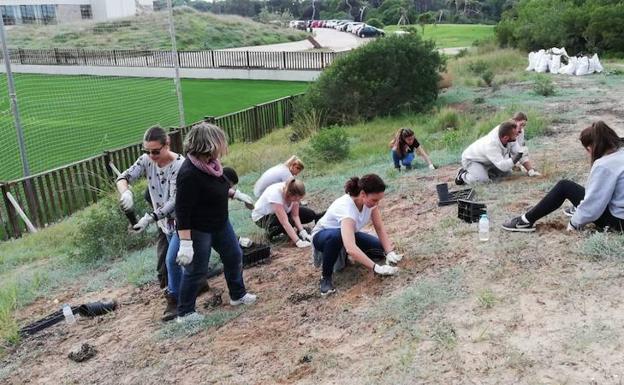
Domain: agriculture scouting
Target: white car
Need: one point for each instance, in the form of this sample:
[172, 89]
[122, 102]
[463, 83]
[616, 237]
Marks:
[352, 25]
[356, 29]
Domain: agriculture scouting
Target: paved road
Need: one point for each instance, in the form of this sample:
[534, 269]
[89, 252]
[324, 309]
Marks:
[327, 37]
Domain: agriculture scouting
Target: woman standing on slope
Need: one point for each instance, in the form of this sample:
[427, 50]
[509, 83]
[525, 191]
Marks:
[203, 220]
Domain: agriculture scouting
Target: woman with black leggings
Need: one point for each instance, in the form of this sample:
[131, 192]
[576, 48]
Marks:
[602, 202]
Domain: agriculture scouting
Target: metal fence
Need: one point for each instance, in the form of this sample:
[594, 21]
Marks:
[166, 59]
[55, 194]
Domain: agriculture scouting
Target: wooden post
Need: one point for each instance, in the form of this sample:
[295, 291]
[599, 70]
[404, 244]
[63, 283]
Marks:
[256, 131]
[31, 200]
[283, 59]
[10, 211]
[248, 65]
[175, 141]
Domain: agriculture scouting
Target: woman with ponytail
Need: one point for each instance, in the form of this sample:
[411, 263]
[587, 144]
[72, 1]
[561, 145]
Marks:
[341, 227]
[602, 202]
[278, 212]
[403, 146]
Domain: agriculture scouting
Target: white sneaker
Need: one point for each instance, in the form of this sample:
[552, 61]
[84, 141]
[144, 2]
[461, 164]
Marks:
[247, 299]
[193, 317]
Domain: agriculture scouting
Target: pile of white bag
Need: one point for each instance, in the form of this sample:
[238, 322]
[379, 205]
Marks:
[553, 60]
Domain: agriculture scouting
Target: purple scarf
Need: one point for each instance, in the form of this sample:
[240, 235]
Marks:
[212, 167]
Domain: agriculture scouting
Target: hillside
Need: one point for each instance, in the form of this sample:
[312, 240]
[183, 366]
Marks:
[194, 30]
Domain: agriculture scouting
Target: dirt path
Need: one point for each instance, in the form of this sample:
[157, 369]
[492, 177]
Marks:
[327, 37]
[520, 309]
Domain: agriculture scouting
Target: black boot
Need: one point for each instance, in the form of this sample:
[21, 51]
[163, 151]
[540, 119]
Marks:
[171, 311]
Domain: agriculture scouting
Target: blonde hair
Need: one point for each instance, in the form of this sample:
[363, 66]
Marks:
[294, 160]
[295, 187]
[206, 139]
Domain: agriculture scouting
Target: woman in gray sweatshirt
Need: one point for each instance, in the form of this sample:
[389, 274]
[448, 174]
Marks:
[602, 202]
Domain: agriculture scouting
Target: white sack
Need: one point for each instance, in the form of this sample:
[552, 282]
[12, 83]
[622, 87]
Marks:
[569, 69]
[531, 66]
[595, 62]
[542, 62]
[582, 67]
[554, 64]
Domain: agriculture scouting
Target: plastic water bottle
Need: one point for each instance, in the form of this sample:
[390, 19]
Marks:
[484, 228]
[69, 315]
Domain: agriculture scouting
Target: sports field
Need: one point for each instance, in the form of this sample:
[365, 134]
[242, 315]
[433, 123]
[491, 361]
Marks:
[68, 118]
[451, 35]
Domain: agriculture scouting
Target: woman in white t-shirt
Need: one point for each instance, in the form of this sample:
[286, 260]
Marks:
[280, 173]
[341, 227]
[278, 211]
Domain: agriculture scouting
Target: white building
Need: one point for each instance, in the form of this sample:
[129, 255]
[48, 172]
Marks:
[63, 11]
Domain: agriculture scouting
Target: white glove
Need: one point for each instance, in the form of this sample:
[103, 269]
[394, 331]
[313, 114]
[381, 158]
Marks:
[125, 200]
[301, 243]
[431, 167]
[533, 172]
[385, 269]
[393, 257]
[246, 199]
[143, 222]
[185, 252]
[303, 234]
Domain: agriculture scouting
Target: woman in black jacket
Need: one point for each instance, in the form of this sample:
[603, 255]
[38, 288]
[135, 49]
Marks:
[203, 223]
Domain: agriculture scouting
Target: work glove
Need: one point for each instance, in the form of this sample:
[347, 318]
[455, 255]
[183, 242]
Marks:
[125, 200]
[533, 172]
[517, 157]
[385, 269]
[301, 243]
[142, 224]
[246, 199]
[185, 252]
[303, 234]
[571, 227]
[431, 167]
[393, 257]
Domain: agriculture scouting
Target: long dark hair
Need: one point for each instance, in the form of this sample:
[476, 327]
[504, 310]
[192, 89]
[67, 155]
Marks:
[601, 138]
[369, 183]
[400, 142]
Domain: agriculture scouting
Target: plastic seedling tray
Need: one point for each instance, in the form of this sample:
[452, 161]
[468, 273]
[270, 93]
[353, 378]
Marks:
[256, 253]
[469, 211]
[446, 197]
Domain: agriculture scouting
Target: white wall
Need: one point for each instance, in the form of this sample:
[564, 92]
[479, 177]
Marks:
[116, 8]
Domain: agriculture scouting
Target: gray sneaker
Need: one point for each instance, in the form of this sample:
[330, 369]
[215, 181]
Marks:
[247, 299]
[189, 318]
[327, 287]
[518, 225]
[569, 211]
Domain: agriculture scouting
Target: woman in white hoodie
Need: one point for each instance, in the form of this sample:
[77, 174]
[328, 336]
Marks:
[602, 202]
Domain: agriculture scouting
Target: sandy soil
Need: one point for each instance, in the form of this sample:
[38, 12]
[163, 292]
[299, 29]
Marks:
[519, 309]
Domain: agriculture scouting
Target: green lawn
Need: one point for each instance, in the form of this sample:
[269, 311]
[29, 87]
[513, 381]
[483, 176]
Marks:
[68, 118]
[451, 35]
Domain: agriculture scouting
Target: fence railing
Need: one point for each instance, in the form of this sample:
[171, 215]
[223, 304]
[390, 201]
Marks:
[55, 194]
[300, 60]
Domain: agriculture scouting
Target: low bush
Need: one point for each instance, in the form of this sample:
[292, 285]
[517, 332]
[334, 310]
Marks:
[384, 77]
[375, 23]
[103, 229]
[330, 145]
[543, 85]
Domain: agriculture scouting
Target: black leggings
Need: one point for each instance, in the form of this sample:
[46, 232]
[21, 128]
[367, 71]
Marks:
[566, 189]
[273, 226]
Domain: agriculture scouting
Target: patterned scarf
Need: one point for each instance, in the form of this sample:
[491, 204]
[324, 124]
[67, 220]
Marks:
[212, 167]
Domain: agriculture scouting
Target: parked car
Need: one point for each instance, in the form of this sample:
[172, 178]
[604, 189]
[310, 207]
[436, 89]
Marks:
[356, 30]
[370, 31]
[352, 25]
[297, 24]
[316, 23]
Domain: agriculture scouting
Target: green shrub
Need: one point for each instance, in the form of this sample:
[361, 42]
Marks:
[383, 77]
[488, 77]
[103, 229]
[375, 23]
[478, 67]
[330, 144]
[307, 120]
[543, 85]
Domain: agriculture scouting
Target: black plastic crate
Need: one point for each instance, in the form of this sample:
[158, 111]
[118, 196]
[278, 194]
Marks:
[446, 197]
[469, 211]
[256, 253]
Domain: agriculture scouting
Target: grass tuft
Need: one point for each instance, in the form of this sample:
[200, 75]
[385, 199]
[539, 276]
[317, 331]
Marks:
[215, 319]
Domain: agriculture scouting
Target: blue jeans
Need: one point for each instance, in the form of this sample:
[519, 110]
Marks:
[225, 242]
[329, 241]
[174, 271]
[406, 160]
